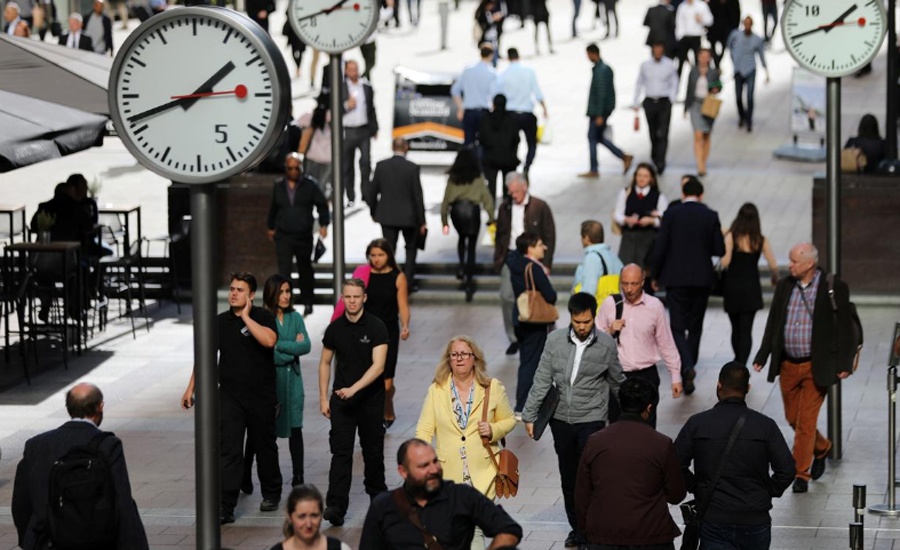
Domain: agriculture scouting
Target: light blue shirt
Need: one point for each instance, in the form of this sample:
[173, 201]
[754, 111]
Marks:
[744, 50]
[591, 268]
[657, 79]
[520, 86]
[11, 29]
[475, 85]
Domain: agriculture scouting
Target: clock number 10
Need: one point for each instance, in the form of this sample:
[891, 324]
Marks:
[812, 10]
[221, 134]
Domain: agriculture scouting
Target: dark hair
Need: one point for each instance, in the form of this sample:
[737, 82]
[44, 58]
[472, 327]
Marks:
[486, 50]
[403, 451]
[244, 276]
[512, 54]
[384, 245]
[593, 48]
[466, 168]
[692, 187]
[526, 240]
[271, 291]
[635, 394]
[735, 377]
[78, 179]
[319, 116]
[354, 281]
[654, 181]
[746, 224]
[593, 230]
[300, 494]
[85, 405]
[868, 127]
[581, 302]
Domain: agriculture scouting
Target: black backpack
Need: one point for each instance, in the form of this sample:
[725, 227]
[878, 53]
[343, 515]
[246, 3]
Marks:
[82, 512]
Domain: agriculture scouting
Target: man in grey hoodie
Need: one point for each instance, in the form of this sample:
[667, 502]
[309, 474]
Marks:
[584, 365]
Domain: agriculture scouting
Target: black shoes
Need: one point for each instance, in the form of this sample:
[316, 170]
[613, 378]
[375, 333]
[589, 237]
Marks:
[226, 517]
[512, 349]
[269, 505]
[571, 540]
[296, 481]
[307, 310]
[247, 487]
[333, 516]
[818, 468]
[689, 382]
[800, 485]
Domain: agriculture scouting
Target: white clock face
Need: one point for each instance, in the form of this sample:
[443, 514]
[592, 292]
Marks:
[334, 26]
[198, 94]
[833, 38]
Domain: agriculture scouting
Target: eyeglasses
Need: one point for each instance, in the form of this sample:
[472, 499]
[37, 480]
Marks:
[461, 354]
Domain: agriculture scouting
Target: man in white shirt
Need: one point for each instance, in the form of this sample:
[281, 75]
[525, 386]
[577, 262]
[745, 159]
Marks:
[658, 81]
[11, 18]
[691, 19]
[520, 86]
[360, 126]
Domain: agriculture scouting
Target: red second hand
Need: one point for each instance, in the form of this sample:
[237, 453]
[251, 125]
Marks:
[861, 22]
[240, 91]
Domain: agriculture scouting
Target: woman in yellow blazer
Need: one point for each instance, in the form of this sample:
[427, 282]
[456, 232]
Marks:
[451, 415]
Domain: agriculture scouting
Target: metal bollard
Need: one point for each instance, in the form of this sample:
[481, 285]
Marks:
[856, 536]
[890, 508]
[859, 504]
[444, 11]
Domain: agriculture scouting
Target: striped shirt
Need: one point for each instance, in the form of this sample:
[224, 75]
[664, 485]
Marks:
[799, 323]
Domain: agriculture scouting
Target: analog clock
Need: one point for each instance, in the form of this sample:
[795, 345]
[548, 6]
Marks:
[334, 26]
[833, 38]
[199, 94]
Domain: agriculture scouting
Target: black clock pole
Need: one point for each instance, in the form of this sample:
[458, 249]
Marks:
[833, 242]
[206, 415]
[337, 172]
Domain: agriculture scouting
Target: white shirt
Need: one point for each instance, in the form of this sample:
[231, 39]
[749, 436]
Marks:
[686, 23]
[619, 213]
[579, 351]
[517, 221]
[357, 116]
[11, 27]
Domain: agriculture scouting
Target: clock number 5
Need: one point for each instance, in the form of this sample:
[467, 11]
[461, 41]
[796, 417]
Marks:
[812, 10]
[222, 135]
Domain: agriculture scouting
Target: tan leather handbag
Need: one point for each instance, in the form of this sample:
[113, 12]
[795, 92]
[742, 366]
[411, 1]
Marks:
[533, 308]
[507, 480]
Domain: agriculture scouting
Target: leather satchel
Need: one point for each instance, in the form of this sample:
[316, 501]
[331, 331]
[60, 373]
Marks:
[710, 107]
[506, 482]
[533, 308]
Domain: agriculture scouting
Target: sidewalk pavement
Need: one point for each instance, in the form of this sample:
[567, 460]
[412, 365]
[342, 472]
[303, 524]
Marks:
[144, 378]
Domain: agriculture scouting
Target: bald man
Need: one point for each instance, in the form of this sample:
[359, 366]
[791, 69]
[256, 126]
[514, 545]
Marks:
[396, 201]
[808, 335]
[84, 403]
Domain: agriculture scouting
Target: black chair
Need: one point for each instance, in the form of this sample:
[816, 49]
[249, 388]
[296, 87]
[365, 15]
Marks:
[119, 277]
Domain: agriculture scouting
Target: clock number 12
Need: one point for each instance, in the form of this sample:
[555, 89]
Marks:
[222, 135]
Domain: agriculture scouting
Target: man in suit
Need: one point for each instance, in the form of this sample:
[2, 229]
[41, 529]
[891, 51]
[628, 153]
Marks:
[98, 26]
[360, 127]
[290, 224]
[84, 402]
[76, 38]
[519, 212]
[259, 11]
[11, 18]
[395, 198]
[809, 337]
[689, 236]
[660, 19]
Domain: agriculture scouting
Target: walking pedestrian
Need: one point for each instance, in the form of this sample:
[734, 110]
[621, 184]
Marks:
[703, 81]
[520, 86]
[601, 103]
[658, 82]
[691, 19]
[639, 210]
[471, 93]
[499, 139]
[302, 527]
[745, 46]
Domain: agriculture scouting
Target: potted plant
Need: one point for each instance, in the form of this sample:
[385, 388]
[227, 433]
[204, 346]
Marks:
[44, 221]
[94, 188]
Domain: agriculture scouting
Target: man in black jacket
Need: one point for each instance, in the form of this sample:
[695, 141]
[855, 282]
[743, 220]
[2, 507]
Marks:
[360, 127]
[808, 334]
[76, 38]
[290, 224]
[98, 26]
[740, 500]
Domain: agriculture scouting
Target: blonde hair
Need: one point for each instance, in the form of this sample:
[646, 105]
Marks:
[443, 370]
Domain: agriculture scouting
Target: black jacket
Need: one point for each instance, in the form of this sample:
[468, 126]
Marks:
[745, 490]
[499, 136]
[370, 104]
[517, 263]
[832, 344]
[689, 236]
[395, 193]
[297, 220]
[84, 41]
[660, 19]
[107, 30]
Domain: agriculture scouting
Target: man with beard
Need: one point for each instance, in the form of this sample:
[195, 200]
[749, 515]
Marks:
[448, 512]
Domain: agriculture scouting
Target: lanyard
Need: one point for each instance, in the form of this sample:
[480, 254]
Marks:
[463, 421]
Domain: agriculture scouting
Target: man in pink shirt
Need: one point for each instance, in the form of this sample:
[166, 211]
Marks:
[642, 333]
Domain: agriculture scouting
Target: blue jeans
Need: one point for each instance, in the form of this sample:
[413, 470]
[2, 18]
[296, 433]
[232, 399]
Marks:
[724, 536]
[577, 4]
[749, 81]
[597, 134]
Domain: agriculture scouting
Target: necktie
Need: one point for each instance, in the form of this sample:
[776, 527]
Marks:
[72, 40]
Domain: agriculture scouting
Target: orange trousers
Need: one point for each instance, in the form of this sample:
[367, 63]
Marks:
[802, 401]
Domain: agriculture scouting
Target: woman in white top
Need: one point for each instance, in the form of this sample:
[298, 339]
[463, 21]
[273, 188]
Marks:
[315, 146]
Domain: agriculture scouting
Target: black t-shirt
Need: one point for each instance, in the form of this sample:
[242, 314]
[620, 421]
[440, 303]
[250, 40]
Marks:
[246, 367]
[353, 344]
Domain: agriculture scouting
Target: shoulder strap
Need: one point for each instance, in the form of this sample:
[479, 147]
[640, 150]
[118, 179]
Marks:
[602, 261]
[735, 431]
[97, 440]
[619, 301]
[529, 276]
[430, 541]
[829, 279]
[484, 418]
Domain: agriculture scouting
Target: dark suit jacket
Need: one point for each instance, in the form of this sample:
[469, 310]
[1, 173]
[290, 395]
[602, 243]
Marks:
[832, 345]
[370, 103]
[107, 30]
[84, 41]
[29, 500]
[689, 236]
[296, 220]
[660, 19]
[538, 219]
[395, 193]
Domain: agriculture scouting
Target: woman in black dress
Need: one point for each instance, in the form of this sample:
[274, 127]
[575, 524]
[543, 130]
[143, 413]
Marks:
[742, 291]
[387, 299]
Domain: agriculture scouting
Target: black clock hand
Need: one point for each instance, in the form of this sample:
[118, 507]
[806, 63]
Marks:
[326, 11]
[186, 103]
[828, 27]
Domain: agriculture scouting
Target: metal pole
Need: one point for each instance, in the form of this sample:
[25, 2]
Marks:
[890, 509]
[206, 415]
[833, 162]
[859, 504]
[444, 12]
[856, 536]
[890, 130]
[337, 190]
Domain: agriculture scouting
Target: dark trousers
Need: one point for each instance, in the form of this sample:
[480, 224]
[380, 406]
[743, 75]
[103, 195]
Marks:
[356, 138]
[650, 374]
[368, 52]
[577, 8]
[723, 536]
[687, 307]
[769, 11]
[659, 113]
[717, 47]
[471, 123]
[531, 338]
[663, 546]
[236, 419]
[569, 441]
[366, 417]
[685, 45]
[597, 135]
[410, 235]
[741, 82]
[264, 23]
[465, 248]
[527, 124]
[490, 174]
[289, 247]
[741, 335]
[295, 445]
